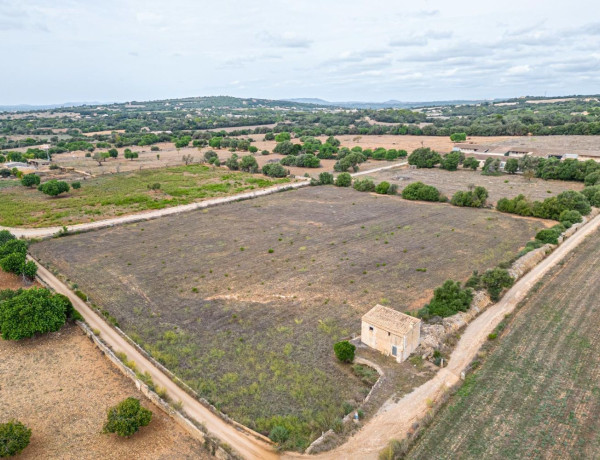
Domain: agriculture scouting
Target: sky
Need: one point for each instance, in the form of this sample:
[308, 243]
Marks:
[55, 51]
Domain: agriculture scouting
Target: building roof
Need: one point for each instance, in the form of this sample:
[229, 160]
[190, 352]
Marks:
[390, 320]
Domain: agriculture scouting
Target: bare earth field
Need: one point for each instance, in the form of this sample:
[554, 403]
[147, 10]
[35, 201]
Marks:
[537, 395]
[244, 301]
[60, 385]
[449, 182]
[583, 145]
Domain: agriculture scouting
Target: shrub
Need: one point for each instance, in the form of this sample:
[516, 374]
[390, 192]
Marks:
[474, 199]
[548, 235]
[451, 161]
[265, 152]
[572, 200]
[232, 162]
[343, 180]
[308, 160]
[458, 137]
[30, 312]
[274, 170]
[279, 434]
[249, 164]
[471, 162]
[30, 180]
[420, 191]
[344, 351]
[592, 178]
[424, 157]
[252, 149]
[382, 188]
[511, 166]
[14, 438]
[154, 148]
[572, 217]
[76, 185]
[283, 136]
[495, 281]
[5, 237]
[447, 300]
[351, 160]
[54, 187]
[326, 178]
[127, 417]
[114, 153]
[364, 185]
[210, 155]
[592, 194]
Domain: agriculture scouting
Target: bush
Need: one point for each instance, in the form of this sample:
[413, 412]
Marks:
[592, 178]
[364, 185]
[54, 187]
[592, 194]
[471, 162]
[210, 155]
[572, 200]
[114, 153]
[351, 160]
[279, 434]
[249, 164]
[420, 191]
[424, 157]
[343, 180]
[308, 160]
[283, 136]
[30, 180]
[30, 312]
[76, 185]
[154, 148]
[382, 188]
[5, 237]
[14, 437]
[265, 152]
[274, 170]
[451, 161]
[344, 351]
[447, 300]
[458, 137]
[326, 178]
[232, 162]
[572, 217]
[127, 417]
[548, 235]
[474, 199]
[495, 281]
[511, 166]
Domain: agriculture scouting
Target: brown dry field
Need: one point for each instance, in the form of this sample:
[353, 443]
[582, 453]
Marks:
[12, 281]
[583, 145]
[60, 385]
[204, 294]
[449, 182]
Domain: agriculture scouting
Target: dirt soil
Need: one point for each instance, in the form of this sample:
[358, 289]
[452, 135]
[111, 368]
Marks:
[450, 182]
[61, 386]
[12, 281]
[254, 294]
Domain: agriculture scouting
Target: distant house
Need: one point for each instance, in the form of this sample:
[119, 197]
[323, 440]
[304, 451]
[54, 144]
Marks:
[391, 332]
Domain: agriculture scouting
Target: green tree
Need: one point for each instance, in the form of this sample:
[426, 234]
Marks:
[126, 418]
[14, 438]
[274, 170]
[232, 162]
[30, 180]
[364, 185]
[451, 161]
[326, 178]
[471, 162]
[511, 166]
[343, 180]
[458, 137]
[448, 299]
[495, 281]
[424, 157]
[5, 237]
[54, 187]
[129, 155]
[422, 192]
[279, 434]
[114, 153]
[30, 312]
[382, 188]
[249, 164]
[282, 136]
[344, 351]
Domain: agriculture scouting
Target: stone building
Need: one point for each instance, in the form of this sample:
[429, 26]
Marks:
[391, 332]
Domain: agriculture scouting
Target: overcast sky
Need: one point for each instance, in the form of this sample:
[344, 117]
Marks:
[56, 51]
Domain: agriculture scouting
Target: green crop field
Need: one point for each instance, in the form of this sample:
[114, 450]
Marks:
[537, 395]
[118, 194]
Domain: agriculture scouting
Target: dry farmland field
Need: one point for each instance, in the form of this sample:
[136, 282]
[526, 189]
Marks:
[244, 301]
[537, 395]
[449, 182]
[118, 194]
[60, 385]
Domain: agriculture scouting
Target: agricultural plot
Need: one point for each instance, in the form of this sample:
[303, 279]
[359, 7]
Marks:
[60, 385]
[244, 301]
[537, 395]
[125, 193]
[450, 182]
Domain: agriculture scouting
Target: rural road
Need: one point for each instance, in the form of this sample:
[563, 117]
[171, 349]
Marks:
[246, 445]
[393, 420]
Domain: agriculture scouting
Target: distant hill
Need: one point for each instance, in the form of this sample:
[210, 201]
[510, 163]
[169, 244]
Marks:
[391, 104]
[32, 108]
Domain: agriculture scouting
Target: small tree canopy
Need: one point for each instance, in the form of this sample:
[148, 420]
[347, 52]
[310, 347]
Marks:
[344, 351]
[54, 187]
[14, 437]
[127, 417]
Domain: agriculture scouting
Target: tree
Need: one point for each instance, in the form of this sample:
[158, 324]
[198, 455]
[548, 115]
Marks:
[424, 157]
[326, 178]
[458, 137]
[572, 217]
[451, 161]
[232, 162]
[5, 237]
[249, 164]
[420, 191]
[447, 300]
[284, 148]
[343, 180]
[473, 198]
[572, 200]
[30, 312]
[279, 434]
[344, 351]
[114, 153]
[283, 136]
[511, 166]
[210, 155]
[76, 185]
[100, 157]
[128, 154]
[471, 162]
[274, 170]
[382, 188]
[127, 417]
[30, 180]
[187, 159]
[364, 185]
[495, 280]
[14, 438]
[54, 187]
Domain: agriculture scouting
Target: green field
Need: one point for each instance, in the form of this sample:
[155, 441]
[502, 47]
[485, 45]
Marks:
[537, 395]
[118, 194]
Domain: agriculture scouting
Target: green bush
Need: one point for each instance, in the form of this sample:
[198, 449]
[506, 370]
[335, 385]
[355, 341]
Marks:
[127, 417]
[6, 236]
[592, 194]
[274, 170]
[76, 185]
[326, 178]
[364, 185]
[458, 137]
[249, 164]
[344, 351]
[424, 157]
[422, 192]
[571, 217]
[474, 199]
[471, 162]
[548, 235]
[30, 312]
[592, 179]
[232, 162]
[279, 434]
[343, 180]
[451, 161]
[14, 438]
[447, 300]
[30, 180]
[54, 187]
[495, 281]
[382, 188]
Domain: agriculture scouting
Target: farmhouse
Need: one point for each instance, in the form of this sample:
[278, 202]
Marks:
[391, 332]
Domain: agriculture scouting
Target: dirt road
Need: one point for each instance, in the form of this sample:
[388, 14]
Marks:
[246, 445]
[393, 420]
